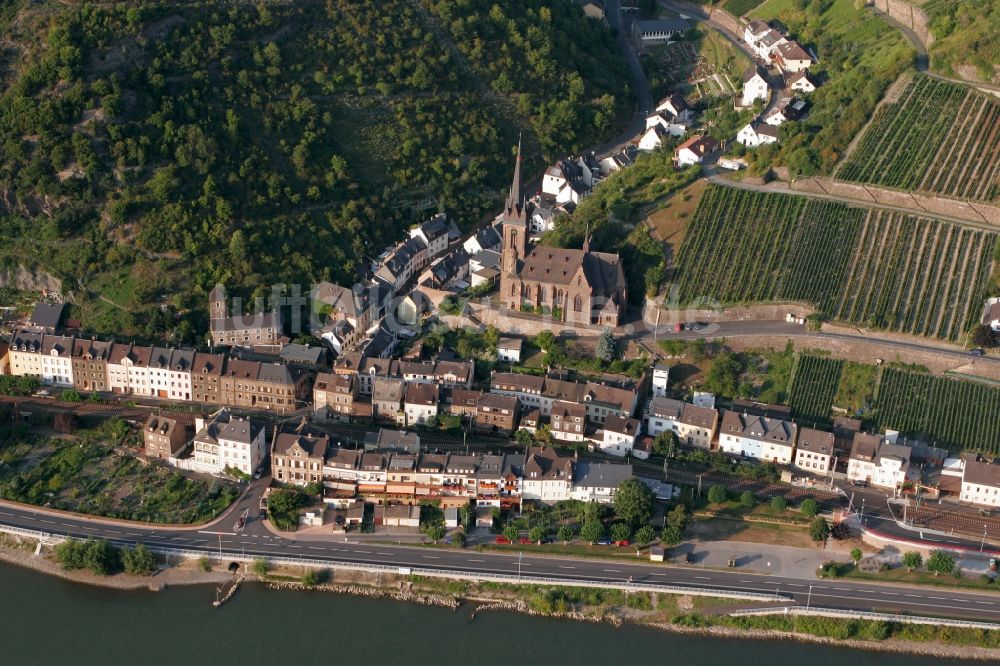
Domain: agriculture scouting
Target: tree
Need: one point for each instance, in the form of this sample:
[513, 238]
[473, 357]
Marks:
[912, 560]
[545, 341]
[983, 336]
[809, 507]
[856, 555]
[748, 499]
[312, 578]
[665, 443]
[566, 533]
[261, 566]
[678, 518]
[645, 534]
[138, 561]
[592, 531]
[537, 533]
[524, 438]
[512, 532]
[672, 536]
[717, 494]
[435, 532]
[778, 504]
[723, 377]
[607, 346]
[621, 532]
[819, 530]
[633, 502]
[940, 562]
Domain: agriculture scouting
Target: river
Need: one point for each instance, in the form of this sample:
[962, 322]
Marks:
[48, 620]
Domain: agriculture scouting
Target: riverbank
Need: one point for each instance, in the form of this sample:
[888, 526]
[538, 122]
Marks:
[679, 614]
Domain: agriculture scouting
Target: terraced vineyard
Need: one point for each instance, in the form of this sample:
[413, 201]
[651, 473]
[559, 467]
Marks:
[814, 386]
[939, 137]
[741, 7]
[860, 265]
[942, 411]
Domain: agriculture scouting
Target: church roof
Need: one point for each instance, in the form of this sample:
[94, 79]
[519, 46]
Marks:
[601, 271]
[515, 210]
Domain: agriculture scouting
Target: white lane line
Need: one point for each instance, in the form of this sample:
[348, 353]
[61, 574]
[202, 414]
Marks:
[292, 545]
[383, 553]
[893, 594]
[985, 603]
[613, 570]
[430, 557]
[562, 567]
[913, 596]
[315, 548]
[794, 585]
[843, 589]
[366, 552]
[471, 560]
[940, 598]
[657, 574]
[703, 577]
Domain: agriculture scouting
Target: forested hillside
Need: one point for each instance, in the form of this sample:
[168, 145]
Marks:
[966, 41]
[151, 149]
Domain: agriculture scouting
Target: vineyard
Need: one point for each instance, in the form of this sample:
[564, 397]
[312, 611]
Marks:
[941, 411]
[814, 386]
[939, 137]
[860, 265]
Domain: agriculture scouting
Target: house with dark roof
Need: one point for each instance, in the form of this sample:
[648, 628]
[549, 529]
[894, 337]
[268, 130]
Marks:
[434, 234]
[598, 482]
[657, 31]
[981, 483]
[757, 133]
[239, 328]
[163, 437]
[298, 455]
[46, 317]
[815, 451]
[619, 434]
[547, 475]
[876, 460]
[758, 437]
[226, 441]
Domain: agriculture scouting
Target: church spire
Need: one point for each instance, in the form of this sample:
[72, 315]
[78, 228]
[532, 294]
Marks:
[515, 200]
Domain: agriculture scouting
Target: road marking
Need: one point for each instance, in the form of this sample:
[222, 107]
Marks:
[430, 557]
[795, 585]
[383, 553]
[893, 594]
[843, 589]
[985, 603]
[941, 598]
[657, 574]
[613, 570]
[471, 560]
[366, 552]
[292, 545]
[913, 596]
[703, 577]
[315, 548]
[562, 567]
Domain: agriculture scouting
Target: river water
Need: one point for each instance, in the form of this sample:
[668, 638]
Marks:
[48, 620]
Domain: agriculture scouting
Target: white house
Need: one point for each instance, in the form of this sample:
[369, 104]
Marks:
[434, 233]
[758, 437]
[653, 138]
[26, 354]
[569, 421]
[791, 57]
[814, 451]
[785, 110]
[57, 360]
[420, 403]
[661, 379]
[800, 81]
[693, 425]
[509, 349]
[695, 150]
[766, 44]
[991, 314]
[619, 435]
[754, 85]
[981, 483]
[877, 461]
[754, 30]
[675, 107]
[598, 482]
[657, 31]
[225, 441]
[128, 369]
[547, 476]
[757, 133]
[486, 239]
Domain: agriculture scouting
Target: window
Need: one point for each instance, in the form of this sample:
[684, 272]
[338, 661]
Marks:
[577, 303]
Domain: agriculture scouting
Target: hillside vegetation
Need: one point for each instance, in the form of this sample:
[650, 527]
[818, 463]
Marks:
[965, 38]
[154, 148]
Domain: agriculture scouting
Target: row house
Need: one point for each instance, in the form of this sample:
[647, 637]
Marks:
[420, 403]
[260, 328]
[57, 360]
[299, 457]
[224, 441]
[599, 399]
[348, 313]
[25, 353]
[980, 483]
[404, 262]
[694, 425]
[170, 373]
[206, 378]
[90, 364]
[758, 437]
[367, 368]
[814, 451]
[387, 399]
[618, 435]
[497, 413]
[568, 421]
[163, 438]
[876, 460]
[463, 402]
[547, 475]
[271, 386]
[334, 395]
[128, 369]
[436, 233]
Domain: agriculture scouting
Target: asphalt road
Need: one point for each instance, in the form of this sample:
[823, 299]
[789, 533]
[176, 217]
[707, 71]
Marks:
[257, 540]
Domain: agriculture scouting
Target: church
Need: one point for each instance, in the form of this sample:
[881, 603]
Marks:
[578, 286]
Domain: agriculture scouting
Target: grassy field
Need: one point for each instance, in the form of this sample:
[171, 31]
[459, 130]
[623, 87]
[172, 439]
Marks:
[671, 219]
[860, 265]
[93, 472]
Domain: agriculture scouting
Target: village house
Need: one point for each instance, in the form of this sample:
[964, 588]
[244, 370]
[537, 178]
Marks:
[801, 81]
[403, 263]
[434, 234]
[653, 137]
[463, 403]
[509, 350]
[661, 379]
[25, 354]
[486, 239]
[527, 388]
[619, 435]
[398, 515]
[762, 39]
[547, 476]
[334, 395]
[791, 57]
[387, 399]
[163, 437]
[695, 150]
[578, 286]
[569, 421]
[787, 109]
[90, 365]
[128, 369]
[814, 451]
[758, 437]
[341, 468]
[57, 361]
[46, 317]
[598, 482]
[693, 425]
[453, 374]
[272, 386]
[754, 85]
[420, 403]
[877, 461]
[497, 413]
[757, 133]
[206, 378]
[298, 457]
[564, 182]
[674, 107]
[348, 313]
[260, 328]
[981, 483]
[367, 368]
[226, 441]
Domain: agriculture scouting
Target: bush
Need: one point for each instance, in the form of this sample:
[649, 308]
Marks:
[97, 555]
[435, 532]
[645, 534]
[204, 563]
[261, 566]
[312, 577]
[138, 561]
[717, 494]
[566, 533]
[819, 530]
[778, 504]
[621, 532]
[913, 560]
[748, 499]
[809, 507]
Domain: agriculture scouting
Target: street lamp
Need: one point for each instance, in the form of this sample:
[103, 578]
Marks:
[809, 597]
[983, 544]
[519, 556]
[862, 512]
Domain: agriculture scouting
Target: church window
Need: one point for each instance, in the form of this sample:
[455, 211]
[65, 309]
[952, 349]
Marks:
[578, 303]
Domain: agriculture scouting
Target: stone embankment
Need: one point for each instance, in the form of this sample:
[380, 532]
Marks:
[373, 593]
[521, 607]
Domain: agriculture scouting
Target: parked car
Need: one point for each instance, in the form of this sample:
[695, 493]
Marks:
[604, 542]
[622, 542]
[501, 539]
[976, 352]
[524, 540]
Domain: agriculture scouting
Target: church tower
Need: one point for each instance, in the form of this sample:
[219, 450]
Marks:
[514, 221]
[217, 303]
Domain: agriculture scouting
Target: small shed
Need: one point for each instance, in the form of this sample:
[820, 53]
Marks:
[656, 553]
[484, 516]
[451, 517]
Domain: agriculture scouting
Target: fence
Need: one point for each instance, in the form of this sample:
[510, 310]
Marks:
[865, 615]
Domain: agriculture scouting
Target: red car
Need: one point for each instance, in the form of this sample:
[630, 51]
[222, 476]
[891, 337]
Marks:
[524, 540]
[621, 543]
[501, 539]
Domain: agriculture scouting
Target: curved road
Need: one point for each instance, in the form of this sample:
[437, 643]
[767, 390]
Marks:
[257, 540]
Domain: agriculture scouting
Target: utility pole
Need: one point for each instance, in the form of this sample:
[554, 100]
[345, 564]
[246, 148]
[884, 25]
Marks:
[520, 554]
[983, 544]
[809, 598]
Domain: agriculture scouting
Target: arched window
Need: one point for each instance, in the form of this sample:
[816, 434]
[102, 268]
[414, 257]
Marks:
[513, 289]
[578, 303]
